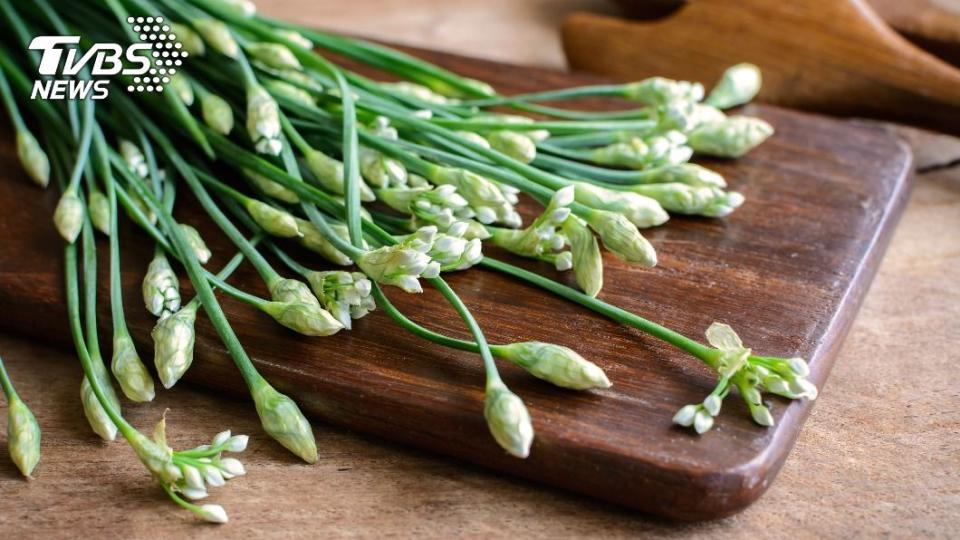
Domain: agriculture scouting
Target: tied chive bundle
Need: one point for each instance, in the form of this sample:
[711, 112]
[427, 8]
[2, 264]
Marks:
[394, 183]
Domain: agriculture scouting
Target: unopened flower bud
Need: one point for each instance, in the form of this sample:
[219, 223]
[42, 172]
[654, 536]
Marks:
[217, 35]
[68, 216]
[702, 421]
[274, 55]
[761, 415]
[161, 288]
[622, 238]
[380, 170]
[508, 420]
[738, 85]
[182, 88]
[513, 144]
[217, 113]
[23, 435]
[686, 415]
[313, 240]
[555, 364]
[271, 188]
[730, 138]
[232, 467]
[33, 158]
[134, 379]
[191, 41]
[173, 339]
[275, 222]
[286, 91]
[134, 158]
[642, 211]
[304, 318]
[236, 443]
[292, 290]
[99, 208]
[587, 260]
[97, 417]
[263, 121]
[196, 243]
[282, 420]
[712, 404]
[213, 513]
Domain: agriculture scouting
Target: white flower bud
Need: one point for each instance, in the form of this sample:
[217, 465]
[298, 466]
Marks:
[263, 121]
[182, 88]
[274, 55]
[738, 85]
[134, 158]
[134, 379]
[296, 37]
[397, 265]
[642, 211]
[212, 476]
[483, 195]
[214, 513]
[192, 477]
[712, 404]
[555, 364]
[622, 238]
[196, 243]
[173, 339]
[508, 420]
[585, 250]
[730, 138]
[161, 288]
[308, 319]
[237, 443]
[68, 216]
[217, 35]
[285, 90]
[702, 422]
[232, 466]
[686, 415]
[217, 113]
[313, 240]
[271, 188]
[513, 144]
[799, 366]
[23, 435]
[195, 494]
[99, 208]
[282, 420]
[380, 170]
[220, 438]
[274, 221]
[245, 8]
[761, 415]
[33, 158]
[190, 40]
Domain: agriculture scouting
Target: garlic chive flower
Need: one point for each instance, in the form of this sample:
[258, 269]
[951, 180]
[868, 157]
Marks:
[272, 189]
[191, 41]
[182, 88]
[329, 174]
[687, 173]
[97, 417]
[196, 243]
[23, 435]
[274, 221]
[134, 158]
[475, 138]
[263, 121]
[622, 238]
[377, 169]
[346, 295]
[513, 144]
[291, 92]
[441, 206]
[453, 250]
[99, 210]
[295, 307]
[217, 35]
[173, 339]
[161, 288]
[292, 290]
[738, 85]
[33, 158]
[543, 235]
[401, 264]
[668, 148]
[134, 379]
[484, 196]
[217, 113]
[730, 138]
[282, 420]
[586, 259]
[315, 241]
[674, 101]
[680, 198]
[417, 91]
[640, 210]
[508, 419]
[273, 55]
[68, 216]
[555, 364]
[296, 37]
[245, 8]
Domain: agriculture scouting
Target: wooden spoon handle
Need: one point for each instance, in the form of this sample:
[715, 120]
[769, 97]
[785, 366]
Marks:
[833, 56]
[932, 24]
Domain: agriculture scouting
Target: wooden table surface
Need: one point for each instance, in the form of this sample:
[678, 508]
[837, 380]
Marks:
[878, 455]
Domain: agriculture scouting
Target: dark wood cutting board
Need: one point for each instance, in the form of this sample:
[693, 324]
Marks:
[787, 271]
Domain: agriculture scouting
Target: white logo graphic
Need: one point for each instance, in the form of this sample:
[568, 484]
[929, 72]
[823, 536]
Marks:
[151, 62]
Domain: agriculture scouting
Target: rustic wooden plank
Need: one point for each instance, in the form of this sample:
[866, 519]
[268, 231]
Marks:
[787, 270]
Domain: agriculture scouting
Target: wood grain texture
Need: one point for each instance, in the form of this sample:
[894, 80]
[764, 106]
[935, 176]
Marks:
[787, 270]
[833, 56]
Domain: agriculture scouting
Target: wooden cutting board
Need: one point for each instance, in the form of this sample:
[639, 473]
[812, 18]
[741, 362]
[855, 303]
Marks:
[788, 271]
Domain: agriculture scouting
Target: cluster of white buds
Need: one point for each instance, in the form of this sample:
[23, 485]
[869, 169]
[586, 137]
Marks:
[173, 339]
[738, 85]
[315, 241]
[263, 121]
[675, 102]
[346, 295]
[161, 288]
[441, 206]
[295, 307]
[204, 467]
[271, 188]
[484, 196]
[33, 158]
[377, 169]
[274, 55]
[751, 375]
[217, 35]
[731, 137]
[667, 148]
[134, 158]
[329, 174]
[641, 210]
[454, 250]
[544, 235]
[403, 264]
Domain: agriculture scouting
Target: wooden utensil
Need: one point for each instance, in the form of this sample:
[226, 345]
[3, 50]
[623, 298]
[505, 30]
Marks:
[788, 270]
[932, 24]
[834, 56]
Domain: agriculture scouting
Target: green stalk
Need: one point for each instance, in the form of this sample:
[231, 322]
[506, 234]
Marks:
[6, 384]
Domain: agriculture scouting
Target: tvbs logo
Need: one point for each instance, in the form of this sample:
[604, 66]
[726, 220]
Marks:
[147, 65]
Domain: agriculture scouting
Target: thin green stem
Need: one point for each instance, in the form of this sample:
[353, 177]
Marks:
[7, 384]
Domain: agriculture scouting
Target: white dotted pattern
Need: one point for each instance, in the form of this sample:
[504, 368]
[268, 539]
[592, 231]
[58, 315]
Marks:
[165, 49]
